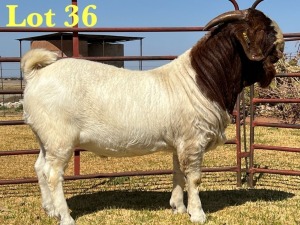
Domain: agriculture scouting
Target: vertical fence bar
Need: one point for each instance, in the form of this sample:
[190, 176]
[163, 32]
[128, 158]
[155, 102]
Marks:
[251, 161]
[238, 142]
[76, 54]
[76, 162]
[75, 36]
[61, 45]
[141, 54]
[21, 74]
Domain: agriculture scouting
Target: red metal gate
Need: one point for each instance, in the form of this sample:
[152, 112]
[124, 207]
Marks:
[256, 146]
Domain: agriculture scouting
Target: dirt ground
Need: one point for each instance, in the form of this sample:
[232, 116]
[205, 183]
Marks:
[9, 84]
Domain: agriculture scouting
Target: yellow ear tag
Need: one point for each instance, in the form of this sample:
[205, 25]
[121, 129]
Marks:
[246, 38]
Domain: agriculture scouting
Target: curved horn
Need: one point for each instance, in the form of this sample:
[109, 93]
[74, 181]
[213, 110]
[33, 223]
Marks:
[256, 3]
[236, 6]
[226, 17]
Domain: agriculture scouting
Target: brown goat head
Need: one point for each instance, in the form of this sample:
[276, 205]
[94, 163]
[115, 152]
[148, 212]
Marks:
[260, 37]
[240, 51]
[254, 31]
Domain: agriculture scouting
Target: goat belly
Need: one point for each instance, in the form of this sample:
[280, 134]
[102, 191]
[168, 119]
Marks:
[111, 147]
[126, 152]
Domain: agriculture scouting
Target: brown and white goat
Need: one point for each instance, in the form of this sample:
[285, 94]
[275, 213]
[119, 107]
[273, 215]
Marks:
[182, 107]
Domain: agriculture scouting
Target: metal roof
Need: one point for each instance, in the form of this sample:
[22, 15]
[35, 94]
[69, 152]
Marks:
[90, 38]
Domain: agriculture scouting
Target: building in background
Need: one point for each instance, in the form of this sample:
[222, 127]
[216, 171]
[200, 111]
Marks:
[89, 45]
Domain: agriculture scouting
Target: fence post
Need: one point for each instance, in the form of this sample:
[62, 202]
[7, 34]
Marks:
[238, 142]
[251, 160]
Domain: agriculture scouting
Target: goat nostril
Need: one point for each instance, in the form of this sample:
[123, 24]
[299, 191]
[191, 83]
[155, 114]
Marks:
[257, 57]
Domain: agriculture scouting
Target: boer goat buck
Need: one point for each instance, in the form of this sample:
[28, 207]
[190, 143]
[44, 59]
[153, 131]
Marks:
[182, 107]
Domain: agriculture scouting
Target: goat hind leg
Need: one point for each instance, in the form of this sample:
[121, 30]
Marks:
[54, 169]
[47, 202]
[177, 197]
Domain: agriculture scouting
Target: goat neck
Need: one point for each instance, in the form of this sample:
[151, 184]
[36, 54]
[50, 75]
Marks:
[218, 66]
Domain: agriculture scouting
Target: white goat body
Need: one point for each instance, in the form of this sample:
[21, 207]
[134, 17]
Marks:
[117, 112]
[181, 107]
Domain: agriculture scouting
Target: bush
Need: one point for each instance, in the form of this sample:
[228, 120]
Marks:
[282, 88]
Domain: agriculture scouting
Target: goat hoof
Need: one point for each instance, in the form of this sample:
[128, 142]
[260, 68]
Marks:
[51, 211]
[179, 210]
[68, 221]
[198, 217]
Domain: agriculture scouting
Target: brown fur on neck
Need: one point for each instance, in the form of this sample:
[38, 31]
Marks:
[223, 69]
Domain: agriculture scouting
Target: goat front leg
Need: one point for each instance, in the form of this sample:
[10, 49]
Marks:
[191, 163]
[177, 197]
[194, 204]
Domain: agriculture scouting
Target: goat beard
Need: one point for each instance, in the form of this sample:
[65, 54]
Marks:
[270, 73]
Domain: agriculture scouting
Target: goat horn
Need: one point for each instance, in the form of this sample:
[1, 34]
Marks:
[226, 17]
[256, 3]
[236, 6]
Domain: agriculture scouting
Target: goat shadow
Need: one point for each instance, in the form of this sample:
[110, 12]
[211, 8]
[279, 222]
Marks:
[212, 201]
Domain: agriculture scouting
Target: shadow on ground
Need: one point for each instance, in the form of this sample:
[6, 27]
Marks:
[212, 201]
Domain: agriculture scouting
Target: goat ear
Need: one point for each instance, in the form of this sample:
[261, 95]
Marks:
[251, 45]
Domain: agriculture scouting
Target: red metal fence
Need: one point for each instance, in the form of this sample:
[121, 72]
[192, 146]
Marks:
[77, 175]
[236, 141]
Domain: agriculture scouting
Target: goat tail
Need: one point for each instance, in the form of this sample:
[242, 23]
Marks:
[35, 60]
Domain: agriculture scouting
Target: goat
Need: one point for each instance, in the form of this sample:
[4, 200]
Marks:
[182, 107]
